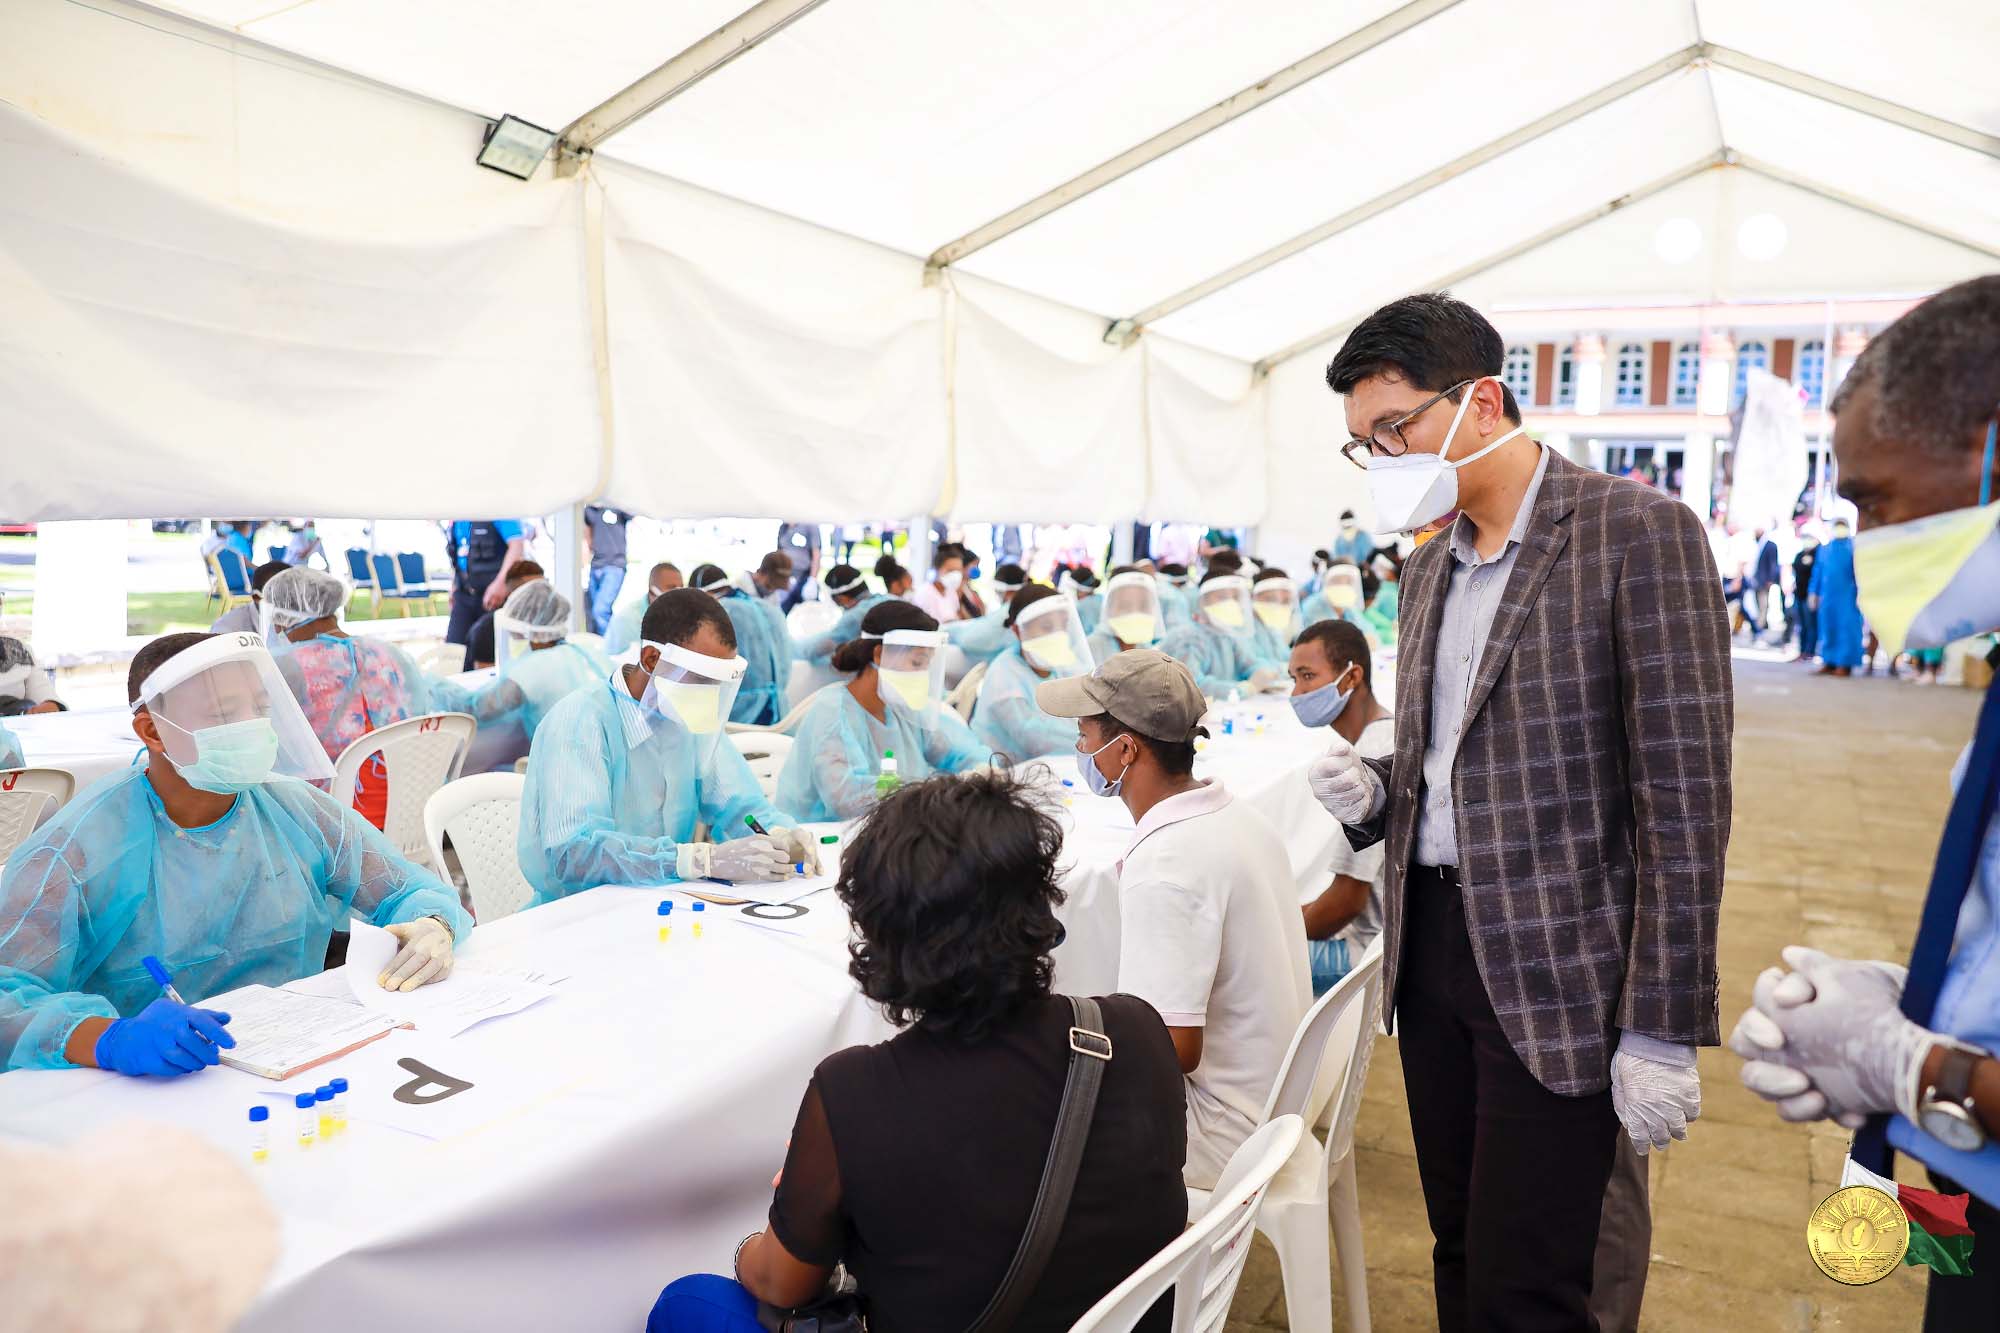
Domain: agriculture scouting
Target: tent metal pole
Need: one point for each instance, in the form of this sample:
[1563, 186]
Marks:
[1853, 99]
[1721, 157]
[1126, 329]
[1862, 204]
[1272, 86]
[738, 37]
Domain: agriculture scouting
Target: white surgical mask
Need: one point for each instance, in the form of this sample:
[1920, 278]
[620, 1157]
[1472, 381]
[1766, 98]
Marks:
[1413, 489]
[951, 580]
[1226, 614]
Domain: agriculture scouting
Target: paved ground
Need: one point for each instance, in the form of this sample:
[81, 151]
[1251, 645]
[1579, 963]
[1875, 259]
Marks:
[1841, 788]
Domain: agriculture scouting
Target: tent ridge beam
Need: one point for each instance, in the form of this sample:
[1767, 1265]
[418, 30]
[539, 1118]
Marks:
[1720, 158]
[738, 37]
[1382, 203]
[1853, 99]
[1267, 89]
[1836, 195]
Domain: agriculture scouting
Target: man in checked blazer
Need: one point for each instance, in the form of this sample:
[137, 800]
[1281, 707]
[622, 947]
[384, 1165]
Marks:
[1555, 816]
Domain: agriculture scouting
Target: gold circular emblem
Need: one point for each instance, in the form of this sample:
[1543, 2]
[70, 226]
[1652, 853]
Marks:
[1857, 1235]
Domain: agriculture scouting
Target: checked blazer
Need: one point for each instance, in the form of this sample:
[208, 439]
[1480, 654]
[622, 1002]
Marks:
[1591, 790]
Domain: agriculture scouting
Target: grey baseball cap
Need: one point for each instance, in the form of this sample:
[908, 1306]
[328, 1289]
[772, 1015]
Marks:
[1142, 688]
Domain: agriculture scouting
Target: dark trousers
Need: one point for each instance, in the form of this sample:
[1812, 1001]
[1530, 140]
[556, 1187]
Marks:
[1513, 1174]
[467, 605]
[1954, 1304]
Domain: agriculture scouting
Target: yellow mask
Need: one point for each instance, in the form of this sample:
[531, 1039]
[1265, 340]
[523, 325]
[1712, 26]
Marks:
[1135, 627]
[912, 687]
[698, 706]
[1051, 650]
[1226, 614]
[1277, 617]
[1911, 570]
[1342, 596]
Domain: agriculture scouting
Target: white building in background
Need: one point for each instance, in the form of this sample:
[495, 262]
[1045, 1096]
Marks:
[1654, 387]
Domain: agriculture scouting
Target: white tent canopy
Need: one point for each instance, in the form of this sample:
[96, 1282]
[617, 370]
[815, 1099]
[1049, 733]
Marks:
[268, 281]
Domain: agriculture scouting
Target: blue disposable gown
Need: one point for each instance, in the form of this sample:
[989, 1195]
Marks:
[1833, 583]
[1273, 648]
[819, 651]
[1174, 609]
[837, 754]
[763, 641]
[1088, 611]
[623, 632]
[615, 788]
[1220, 660]
[10, 749]
[253, 897]
[1007, 718]
[982, 638]
[537, 681]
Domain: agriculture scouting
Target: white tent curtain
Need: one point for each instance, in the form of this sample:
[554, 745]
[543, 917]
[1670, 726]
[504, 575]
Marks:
[1205, 438]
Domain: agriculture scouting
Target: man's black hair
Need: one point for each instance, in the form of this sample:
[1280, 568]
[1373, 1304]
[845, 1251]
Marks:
[1431, 340]
[148, 659]
[265, 572]
[678, 614]
[1341, 641]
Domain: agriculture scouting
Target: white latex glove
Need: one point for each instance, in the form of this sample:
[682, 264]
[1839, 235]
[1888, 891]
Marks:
[1265, 679]
[758, 857]
[801, 848]
[1757, 1039]
[1348, 788]
[425, 956]
[1655, 1098]
[1848, 1037]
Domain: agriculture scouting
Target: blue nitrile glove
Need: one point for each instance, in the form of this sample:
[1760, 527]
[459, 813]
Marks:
[166, 1038]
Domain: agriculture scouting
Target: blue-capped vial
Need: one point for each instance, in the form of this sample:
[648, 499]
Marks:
[700, 907]
[308, 1109]
[260, 1133]
[339, 1087]
[323, 1099]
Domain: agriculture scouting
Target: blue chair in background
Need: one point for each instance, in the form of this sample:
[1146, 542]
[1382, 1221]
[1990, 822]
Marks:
[415, 574]
[232, 578]
[389, 586]
[362, 577]
[274, 553]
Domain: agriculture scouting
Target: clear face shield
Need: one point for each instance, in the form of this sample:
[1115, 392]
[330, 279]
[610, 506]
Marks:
[1276, 603]
[1343, 588]
[1052, 638]
[911, 668]
[227, 720]
[695, 690]
[514, 639]
[1132, 609]
[1225, 603]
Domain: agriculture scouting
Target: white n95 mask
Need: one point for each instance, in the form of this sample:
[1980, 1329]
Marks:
[1932, 580]
[1413, 489]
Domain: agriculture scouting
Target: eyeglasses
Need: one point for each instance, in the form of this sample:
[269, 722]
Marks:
[1388, 439]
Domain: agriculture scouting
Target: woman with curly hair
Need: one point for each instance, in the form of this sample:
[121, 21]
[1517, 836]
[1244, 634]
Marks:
[916, 1162]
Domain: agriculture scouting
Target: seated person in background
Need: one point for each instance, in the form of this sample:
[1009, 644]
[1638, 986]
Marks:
[1132, 618]
[24, 686]
[241, 537]
[1332, 686]
[480, 652]
[1379, 590]
[10, 749]
[620, 773]
[1210, 933]
[1045, 641]
[1080, 584]
[211, 857]
[1341, 595]
[848, 590]
[624, 631]
[982, 638]
[1275, 602]
[1219, 646]
[1224, 560]
[894, 704]
[1175, 607]
[940, 598]
[970, 599]
[953, 940]
[242, 618]
[539, 664]
[896, 581]
[763, 640]
[347, 687]
[1353, 545]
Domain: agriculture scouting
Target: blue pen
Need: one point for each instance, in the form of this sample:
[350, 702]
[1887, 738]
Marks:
[158, 972]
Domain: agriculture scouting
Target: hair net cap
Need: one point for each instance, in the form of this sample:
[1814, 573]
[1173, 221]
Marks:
[301, 595]
[538, 611]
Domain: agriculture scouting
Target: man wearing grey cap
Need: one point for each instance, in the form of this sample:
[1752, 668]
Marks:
[1210, 932]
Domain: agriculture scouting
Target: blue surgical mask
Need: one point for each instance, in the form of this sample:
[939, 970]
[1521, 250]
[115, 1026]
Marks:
[1086, 765]
[233, 757]
[1318, 708]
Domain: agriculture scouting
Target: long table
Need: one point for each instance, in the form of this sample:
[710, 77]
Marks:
[623, 1132]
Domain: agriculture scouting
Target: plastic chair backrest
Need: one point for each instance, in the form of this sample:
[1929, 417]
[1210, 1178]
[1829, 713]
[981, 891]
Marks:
[274, 553]
[410, 564]
[27, 797]
[1333, 1024]
[387, 582]
[766, 752]
[482, 814]
[1336, 1099]
[235, 574]
[788, 724]
[809, 620]
[965, 694]
[420, 754]
[1204, 1263]
[357, 568]
[445, 660]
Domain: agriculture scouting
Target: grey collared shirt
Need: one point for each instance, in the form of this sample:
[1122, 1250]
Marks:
[1470, 600]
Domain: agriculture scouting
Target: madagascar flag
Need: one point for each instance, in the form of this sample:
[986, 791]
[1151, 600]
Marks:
[1939, 1236]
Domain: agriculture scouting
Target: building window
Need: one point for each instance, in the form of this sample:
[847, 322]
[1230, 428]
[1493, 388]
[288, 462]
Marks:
[1518, 372]
[1631, 390]
[1749, 356]
[1812, 371]
[1687, 374]
[1566, 376]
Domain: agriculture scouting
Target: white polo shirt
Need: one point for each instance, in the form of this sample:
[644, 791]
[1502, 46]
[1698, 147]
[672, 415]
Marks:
[1212, 937]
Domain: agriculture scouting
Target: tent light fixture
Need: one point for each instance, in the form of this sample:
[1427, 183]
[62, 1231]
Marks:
[515, 147]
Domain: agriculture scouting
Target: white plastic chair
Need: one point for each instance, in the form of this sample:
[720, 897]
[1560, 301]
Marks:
[446, 659]
[809, 620]
[420, 754]
[482, 814]
[27, 797]
[966, 693]
[786, 725]
[1325, 1092]
[766, 751]
[1204, 1262]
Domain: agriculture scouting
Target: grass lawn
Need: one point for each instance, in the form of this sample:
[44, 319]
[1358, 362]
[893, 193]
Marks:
[163, 612]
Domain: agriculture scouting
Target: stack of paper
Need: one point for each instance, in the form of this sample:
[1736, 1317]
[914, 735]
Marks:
[443, 1008]
[279, 1033]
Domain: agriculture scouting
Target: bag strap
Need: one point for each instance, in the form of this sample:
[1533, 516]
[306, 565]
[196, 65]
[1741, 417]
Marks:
[1090, 1051]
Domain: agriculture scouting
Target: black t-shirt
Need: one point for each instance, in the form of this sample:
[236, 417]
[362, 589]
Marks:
[607, 535]
[917, 1162]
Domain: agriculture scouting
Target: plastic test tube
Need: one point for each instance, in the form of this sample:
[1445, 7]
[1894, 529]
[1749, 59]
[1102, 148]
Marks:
[665, 910]
[339, 1087]
[308, 1107]
[323, 1098]
[260, 1133]
[699, 906]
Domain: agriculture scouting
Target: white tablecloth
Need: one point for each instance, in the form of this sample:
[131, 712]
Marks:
[87, 743]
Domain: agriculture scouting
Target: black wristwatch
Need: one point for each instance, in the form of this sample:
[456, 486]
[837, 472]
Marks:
[1945, 1110]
